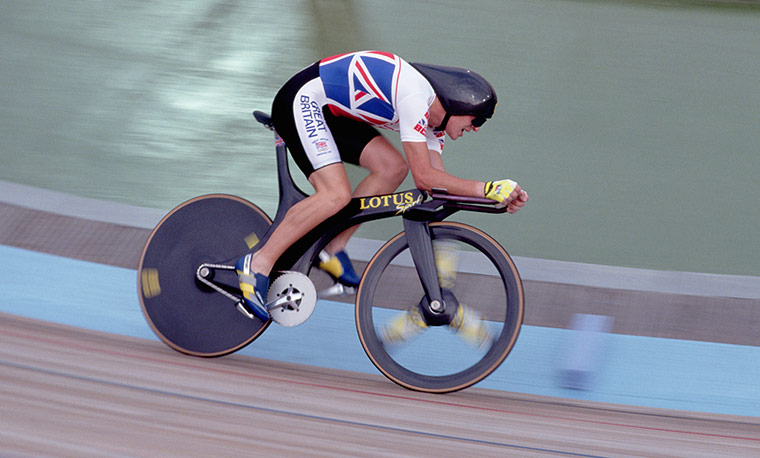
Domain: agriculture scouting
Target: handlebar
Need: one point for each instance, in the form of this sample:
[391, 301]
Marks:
[462, 199]
[479, 204]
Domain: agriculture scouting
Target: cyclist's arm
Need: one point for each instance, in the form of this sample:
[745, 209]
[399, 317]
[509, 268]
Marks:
[436, 160]
[515, 202]
[428, 175]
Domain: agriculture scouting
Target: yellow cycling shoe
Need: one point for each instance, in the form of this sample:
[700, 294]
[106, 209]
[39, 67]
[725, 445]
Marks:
[470, 326]
[339, 267]
[403, 327]
[446, 261]
[254, 287]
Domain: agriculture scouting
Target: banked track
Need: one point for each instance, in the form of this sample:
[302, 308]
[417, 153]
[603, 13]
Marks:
[71, 392]
[66, 391]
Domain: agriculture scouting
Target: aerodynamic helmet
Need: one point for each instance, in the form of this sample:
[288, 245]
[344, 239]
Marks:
[460, 91]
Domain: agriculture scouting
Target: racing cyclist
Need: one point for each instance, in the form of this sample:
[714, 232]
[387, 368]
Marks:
[329, 112]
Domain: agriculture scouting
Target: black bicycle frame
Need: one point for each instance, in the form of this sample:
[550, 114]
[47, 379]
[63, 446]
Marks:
[411, 205]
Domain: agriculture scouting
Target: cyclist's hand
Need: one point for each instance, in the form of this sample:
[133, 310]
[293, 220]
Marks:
[507, 193]
[518, 202]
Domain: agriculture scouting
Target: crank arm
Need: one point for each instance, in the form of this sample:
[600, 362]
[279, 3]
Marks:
[284, 300]
[281, 302]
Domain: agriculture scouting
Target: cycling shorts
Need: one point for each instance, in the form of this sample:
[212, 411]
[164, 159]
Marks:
[314, 136]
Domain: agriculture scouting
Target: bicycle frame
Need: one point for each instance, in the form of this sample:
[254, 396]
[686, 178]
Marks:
[185, 288]
[410, 204]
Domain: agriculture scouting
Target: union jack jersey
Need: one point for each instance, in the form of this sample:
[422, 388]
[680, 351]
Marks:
[383, 90]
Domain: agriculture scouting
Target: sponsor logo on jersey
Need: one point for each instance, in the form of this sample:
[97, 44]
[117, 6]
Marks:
[321, 146]
[312, 116]
[421, 126]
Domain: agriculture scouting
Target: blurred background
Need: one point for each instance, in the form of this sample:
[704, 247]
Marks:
[634, 125]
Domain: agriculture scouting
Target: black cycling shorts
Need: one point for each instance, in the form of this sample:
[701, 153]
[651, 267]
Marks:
[314, 136]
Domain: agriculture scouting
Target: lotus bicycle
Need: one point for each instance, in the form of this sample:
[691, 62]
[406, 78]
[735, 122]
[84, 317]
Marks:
[189, 291]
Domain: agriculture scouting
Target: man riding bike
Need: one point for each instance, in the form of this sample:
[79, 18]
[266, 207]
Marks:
[328, 114]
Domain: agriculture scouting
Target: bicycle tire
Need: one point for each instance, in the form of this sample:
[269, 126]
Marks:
[509, 307]
[186, 315]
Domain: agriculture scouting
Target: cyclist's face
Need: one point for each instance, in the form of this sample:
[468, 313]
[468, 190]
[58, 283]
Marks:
[458, 125]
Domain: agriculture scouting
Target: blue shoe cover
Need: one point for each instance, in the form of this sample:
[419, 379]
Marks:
[254, 287]
[340, 267]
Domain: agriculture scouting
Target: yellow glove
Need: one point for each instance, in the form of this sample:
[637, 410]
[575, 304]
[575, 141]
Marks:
[446, 260]
[500, 191]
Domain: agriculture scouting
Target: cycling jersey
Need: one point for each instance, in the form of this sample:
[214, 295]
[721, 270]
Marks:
[326, 113]
[381, 89]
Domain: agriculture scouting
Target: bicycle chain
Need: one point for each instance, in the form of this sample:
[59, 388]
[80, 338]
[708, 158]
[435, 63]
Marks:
[212, 285]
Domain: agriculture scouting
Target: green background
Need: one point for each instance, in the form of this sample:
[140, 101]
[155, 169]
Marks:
[634, 125]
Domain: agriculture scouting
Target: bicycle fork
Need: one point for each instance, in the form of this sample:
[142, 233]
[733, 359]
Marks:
[438, 305]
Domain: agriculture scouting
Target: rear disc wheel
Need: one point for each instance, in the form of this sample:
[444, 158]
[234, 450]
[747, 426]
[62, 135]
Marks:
[184, 313]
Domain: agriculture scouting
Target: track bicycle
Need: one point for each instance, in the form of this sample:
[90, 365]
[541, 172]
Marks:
[189, 292]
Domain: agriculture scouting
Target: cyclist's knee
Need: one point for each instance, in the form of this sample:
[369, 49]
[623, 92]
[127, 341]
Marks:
[396, 172]
[340, 200]
[393, 171]
[333, 199]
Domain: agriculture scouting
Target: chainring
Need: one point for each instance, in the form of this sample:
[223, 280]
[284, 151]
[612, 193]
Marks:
[295, 297]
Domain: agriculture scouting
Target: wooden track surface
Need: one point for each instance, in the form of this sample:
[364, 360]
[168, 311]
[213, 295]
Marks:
[70, 392]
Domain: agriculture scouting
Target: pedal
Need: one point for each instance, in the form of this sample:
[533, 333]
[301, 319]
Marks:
[291, 299]
[337, 290]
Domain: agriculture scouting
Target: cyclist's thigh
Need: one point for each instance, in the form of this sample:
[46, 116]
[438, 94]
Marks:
[351, 136]
[380, 154]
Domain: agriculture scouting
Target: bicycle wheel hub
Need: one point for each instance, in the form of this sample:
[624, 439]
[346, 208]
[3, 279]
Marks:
[439, 313]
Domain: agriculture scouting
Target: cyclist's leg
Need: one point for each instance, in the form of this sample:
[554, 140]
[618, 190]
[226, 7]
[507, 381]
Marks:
[386, 165]
[316, 145]
[387, 169]
[298, 119]
[332, 193]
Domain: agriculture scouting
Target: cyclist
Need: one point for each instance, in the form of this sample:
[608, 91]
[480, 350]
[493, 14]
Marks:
[329, 112]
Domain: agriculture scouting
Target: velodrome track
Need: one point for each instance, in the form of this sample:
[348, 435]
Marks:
[69, 390]
[87, 87]
[72, 392]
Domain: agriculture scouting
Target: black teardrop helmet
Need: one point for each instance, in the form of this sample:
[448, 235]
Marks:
[460, 91]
